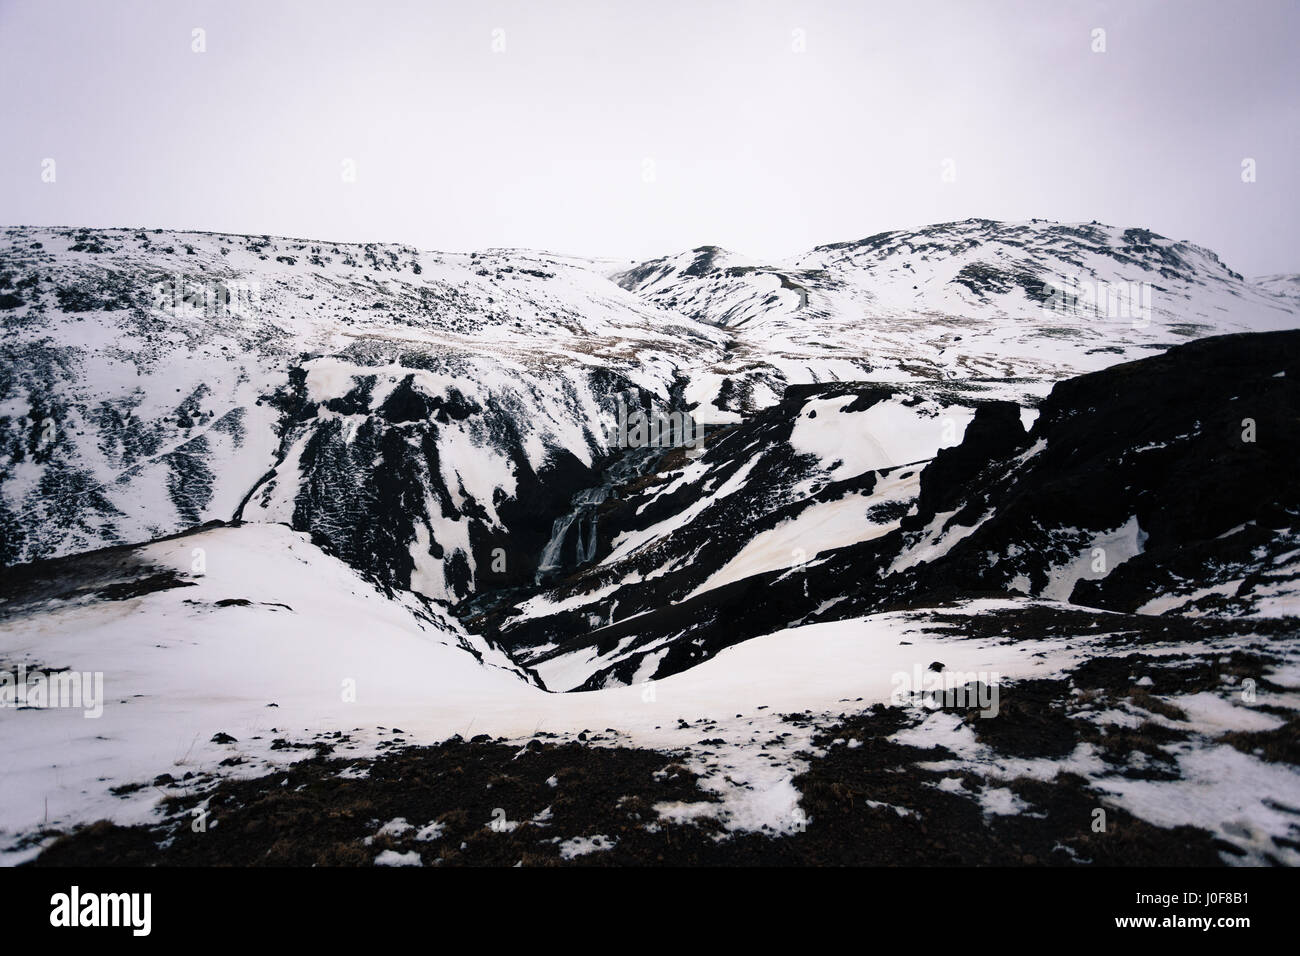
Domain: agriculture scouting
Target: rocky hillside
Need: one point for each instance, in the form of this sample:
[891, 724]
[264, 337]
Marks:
[1165, 486]
[405, 407]
[430, 417]
[728, 505]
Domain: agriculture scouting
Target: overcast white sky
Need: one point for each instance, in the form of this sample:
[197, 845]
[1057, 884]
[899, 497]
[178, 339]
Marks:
[753, 145]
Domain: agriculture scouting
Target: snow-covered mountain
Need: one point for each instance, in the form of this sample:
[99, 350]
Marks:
[1287, 286]
[406, 407]
[1020, 449]
[956, 300]
[429, 415]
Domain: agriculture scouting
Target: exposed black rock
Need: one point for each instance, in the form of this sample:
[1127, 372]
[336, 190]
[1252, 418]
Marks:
[1156, 463]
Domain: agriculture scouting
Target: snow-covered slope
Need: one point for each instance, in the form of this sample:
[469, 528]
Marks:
[1161, 486]
[251, 632]
[388, 400]
[235, 649]
[428, 416]
[959, 299]
[827, 467]
[1285, 286]
[433, 524]
[275, 652]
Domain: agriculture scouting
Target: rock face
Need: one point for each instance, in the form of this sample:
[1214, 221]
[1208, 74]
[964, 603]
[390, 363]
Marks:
[1166, 485]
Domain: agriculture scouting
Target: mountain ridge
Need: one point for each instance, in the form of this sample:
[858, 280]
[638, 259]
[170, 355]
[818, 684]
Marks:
[159, 379]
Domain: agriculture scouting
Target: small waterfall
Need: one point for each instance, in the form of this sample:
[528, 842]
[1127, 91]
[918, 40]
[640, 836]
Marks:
[550, 559]
[579, 525]
[581, 521]
[587, 546]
